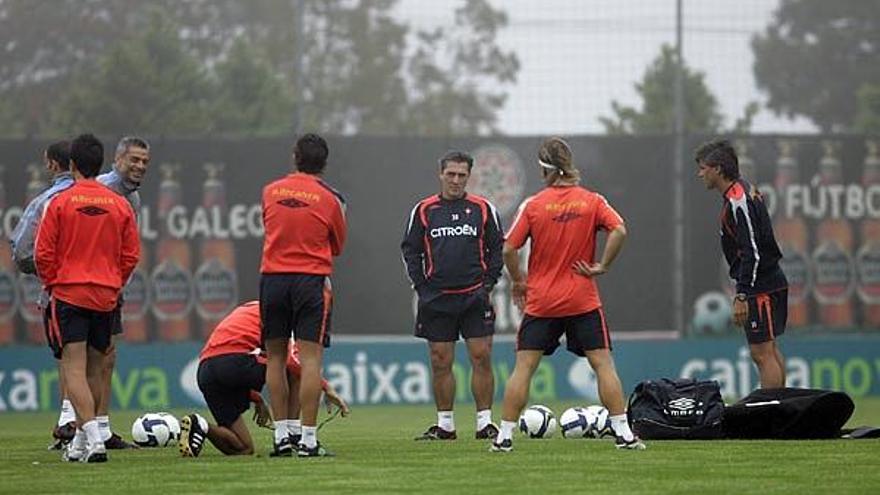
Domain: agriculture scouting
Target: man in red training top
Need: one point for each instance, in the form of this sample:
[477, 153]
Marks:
[304, 220]
[86, 248]
[231, 375]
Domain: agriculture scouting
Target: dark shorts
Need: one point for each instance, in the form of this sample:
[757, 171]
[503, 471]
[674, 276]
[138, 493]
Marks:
[226, 383]
[65, 324]
[449, 316]
[296, 303]
[583, 332]
[117, 319]
[768, 314]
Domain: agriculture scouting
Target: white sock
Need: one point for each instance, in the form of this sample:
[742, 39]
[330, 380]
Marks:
[446, 420]
[104, 427]
[506, 432]
[484, 417]
[93, 433]
[68, 415]
[310, 436]
[621, 427]
[280, 430]
[294, 427]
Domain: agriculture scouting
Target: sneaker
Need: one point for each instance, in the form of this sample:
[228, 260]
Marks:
[95, 453]
[295, 439]
[64, 432]
[437, 433]
[192, 436]
[115, 442]
[489, 432]
[72, 454]
[634, 444]
[282, 449]
[504, 446]
[316, 451]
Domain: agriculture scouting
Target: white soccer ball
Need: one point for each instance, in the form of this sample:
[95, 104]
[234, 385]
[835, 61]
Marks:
[538, 422]
[155, 430]
[600, 422]
[712, 313]
[574, 423]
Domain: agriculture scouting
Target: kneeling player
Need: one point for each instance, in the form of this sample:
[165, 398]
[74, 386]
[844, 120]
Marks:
[231, 374]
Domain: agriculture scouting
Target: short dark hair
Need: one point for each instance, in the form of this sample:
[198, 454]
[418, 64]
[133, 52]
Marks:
[59, 153]
[87, 154]
[131, 142]
[719, 153]
[310, 154]
[458, 157]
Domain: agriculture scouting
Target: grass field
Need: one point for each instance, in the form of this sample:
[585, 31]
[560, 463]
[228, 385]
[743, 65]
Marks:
[376, 454]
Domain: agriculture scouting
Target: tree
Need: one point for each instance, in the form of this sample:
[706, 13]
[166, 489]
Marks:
[815, 55]
[868, 114]
[362, 67]
[657, 114]
[146, 84]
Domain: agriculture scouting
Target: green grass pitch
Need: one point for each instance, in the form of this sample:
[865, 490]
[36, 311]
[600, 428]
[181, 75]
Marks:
[376, 454]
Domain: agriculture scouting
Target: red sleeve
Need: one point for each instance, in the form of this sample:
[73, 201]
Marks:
[337, 229]
[519, 230]
[46, 242]
[607, 218]
[131, 245]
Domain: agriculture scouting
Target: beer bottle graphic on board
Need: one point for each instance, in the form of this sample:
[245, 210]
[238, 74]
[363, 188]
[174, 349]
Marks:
[8, 292]
[832, 257]
[868, 257]
[171, 277]
[137, 296]
[30, 287]
[216, 282]
[792, 234]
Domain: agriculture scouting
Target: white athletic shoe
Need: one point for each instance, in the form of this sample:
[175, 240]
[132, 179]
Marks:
[95, 453]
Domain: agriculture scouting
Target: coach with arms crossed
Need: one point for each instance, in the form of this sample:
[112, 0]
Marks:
[452, 251]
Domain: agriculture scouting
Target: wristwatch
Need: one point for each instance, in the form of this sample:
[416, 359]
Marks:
[741, 297]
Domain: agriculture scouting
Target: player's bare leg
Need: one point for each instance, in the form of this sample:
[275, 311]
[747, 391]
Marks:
[780, 359]
[770, 369]
[102, 403]
[482, 384]
[79, 376]
[442, 357]
[65, 428]
[310, 355]
[516, 394]
[611, 396]
[232, 440]
[294, 424]
[276, 380]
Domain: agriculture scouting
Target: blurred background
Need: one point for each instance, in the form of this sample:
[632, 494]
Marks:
[221, 88]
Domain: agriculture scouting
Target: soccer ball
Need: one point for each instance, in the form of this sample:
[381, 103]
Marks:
[599, 421]
[574, 423]
[538, 422]
[155, 430]
[712, 313]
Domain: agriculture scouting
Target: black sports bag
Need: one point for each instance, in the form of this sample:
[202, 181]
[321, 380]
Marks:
[681, 409]
[788, 413]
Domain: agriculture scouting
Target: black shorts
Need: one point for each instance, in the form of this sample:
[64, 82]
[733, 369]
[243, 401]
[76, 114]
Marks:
[117, 319]
[445, 318]
[768, 314]
[583, 332]
[298, 303]
[226, 383]
[66, 324]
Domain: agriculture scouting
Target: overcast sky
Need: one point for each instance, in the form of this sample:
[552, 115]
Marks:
[579, 55]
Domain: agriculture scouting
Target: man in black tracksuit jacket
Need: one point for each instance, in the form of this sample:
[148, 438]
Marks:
[761, 302]
[452, 251]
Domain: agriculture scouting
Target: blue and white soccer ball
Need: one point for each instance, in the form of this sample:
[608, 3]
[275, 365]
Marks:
[538, 422]
[712, 313]
[155, 430]
[574, 423]
[600, 422]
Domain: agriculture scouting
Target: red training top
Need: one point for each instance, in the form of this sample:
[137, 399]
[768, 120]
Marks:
[562, 223]
[304, 221]
[87, 245]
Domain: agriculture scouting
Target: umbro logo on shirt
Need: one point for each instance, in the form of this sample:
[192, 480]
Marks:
[293, 203]
[92, 211]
